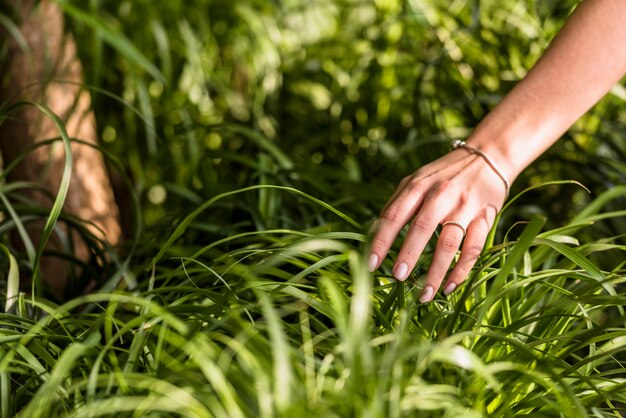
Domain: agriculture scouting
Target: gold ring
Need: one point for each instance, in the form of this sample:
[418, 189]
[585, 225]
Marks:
[455, 224]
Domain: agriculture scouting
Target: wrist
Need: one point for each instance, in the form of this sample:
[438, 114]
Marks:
[511, 150]
[497, 156]
[486, 159]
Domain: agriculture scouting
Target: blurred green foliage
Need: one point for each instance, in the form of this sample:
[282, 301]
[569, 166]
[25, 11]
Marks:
[354, 94]
[248, 290]
[325, 80]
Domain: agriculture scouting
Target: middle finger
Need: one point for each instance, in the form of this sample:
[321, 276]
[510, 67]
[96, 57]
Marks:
[420, 231]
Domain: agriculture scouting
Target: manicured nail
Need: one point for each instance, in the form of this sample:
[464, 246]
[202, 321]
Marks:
[401, 271]
[372, 263]
[427, 294]
[449, 288]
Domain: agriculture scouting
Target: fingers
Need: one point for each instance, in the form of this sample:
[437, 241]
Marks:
[477, 233]
[392, 220]
[420, 231]
[395, 194]
[459, 194]
[448, 244]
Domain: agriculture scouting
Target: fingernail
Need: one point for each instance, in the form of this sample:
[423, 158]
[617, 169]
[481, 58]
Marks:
[449, 288]
[372, 263]
[427, 294]
[401, 271]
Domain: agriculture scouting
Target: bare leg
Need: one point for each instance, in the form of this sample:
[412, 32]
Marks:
[36, 75]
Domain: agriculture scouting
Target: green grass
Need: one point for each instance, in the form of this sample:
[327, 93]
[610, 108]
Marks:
[243, 292]
[282, 322]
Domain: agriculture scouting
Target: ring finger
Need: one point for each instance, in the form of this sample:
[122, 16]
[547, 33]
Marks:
[452, 233]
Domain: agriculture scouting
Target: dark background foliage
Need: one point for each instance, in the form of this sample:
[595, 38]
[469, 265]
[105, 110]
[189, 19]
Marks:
[258, 303]
[354, 94]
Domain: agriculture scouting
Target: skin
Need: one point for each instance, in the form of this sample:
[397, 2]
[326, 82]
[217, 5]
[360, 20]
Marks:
[584, 61]
[49, 72]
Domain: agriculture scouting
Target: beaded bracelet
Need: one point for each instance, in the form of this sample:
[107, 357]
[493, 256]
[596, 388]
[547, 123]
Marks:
[457, 143]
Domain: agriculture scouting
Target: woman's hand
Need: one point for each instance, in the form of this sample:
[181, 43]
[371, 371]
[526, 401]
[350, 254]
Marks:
[459, 191]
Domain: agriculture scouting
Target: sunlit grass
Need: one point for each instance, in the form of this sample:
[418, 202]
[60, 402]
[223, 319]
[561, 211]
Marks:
[242, 291]
[289, 322]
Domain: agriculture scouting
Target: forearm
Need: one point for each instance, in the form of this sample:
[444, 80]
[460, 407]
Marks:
[584, 61]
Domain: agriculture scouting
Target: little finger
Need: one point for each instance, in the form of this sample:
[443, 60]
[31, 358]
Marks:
[477, 233]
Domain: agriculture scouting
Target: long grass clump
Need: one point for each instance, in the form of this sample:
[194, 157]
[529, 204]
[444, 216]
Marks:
[256, 143]
[285, 322]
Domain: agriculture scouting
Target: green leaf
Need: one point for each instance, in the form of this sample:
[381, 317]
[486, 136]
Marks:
[114, 38]
[512, 260]
[13, 280]
[574, 256]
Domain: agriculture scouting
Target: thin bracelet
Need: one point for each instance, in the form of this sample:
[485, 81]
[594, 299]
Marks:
[457, 143]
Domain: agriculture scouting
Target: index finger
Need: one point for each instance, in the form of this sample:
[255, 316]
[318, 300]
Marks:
[392, 219]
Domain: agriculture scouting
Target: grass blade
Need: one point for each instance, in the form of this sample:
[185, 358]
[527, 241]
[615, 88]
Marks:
[13, 281]
[115, 39]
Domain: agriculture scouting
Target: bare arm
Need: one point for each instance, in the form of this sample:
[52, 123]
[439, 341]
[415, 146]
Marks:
[583, 62]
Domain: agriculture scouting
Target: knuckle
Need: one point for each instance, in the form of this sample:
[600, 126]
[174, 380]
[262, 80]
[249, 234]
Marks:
[378, 244]
[392, 214]
[464, 198]
[410, 254]
[443, 187]
[472, 252]
[449, 243]
[422, 224]
[415, 184]
[489, 214]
